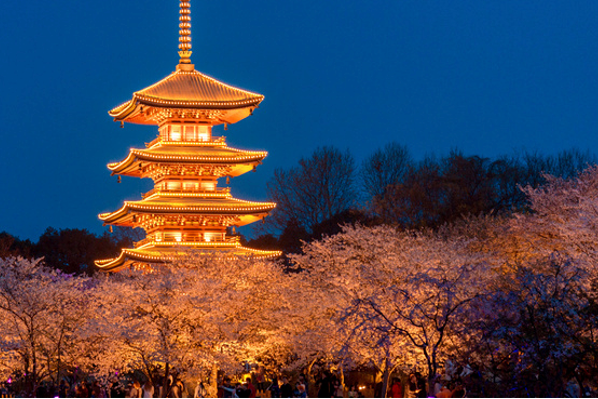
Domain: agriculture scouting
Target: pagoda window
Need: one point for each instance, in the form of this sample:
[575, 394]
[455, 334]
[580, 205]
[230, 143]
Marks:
[203, 133]
[208, 185]
[210, 236]
[164, 132]
[173, 236]
[173, 185]
[190, 185]
[186, 132]
[175, 133]
[190, 133]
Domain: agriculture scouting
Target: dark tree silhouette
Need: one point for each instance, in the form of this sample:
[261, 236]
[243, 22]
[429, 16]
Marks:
[384, 169]
[438, 191]
[290, 241]
[13, 246]
[403, 193]
[266, 241]
[332, 226]
[319, 188]
[74, 250]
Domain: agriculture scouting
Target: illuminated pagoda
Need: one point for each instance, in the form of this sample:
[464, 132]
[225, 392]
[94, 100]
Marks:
[186, 209]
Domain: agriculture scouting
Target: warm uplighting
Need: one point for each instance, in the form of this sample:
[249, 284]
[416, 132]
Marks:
[186, 208]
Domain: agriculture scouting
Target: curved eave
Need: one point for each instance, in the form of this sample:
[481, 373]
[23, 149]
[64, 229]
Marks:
[131, 256]
[191, 87]
[156, 115]
[188, 90]
[164, 103]
[113, 264]
[140, 155]
[123, 216]
[123, 110]
[131, 108]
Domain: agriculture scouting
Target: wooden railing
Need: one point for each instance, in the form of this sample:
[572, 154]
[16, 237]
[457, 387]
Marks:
[217, 190]
[172, 240]
[215, 139]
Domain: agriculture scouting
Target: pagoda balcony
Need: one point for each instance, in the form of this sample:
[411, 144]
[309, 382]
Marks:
[188, 241]
[160, 139]
[217, 190]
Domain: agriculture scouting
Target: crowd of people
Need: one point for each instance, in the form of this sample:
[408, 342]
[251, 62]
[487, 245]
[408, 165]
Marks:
[416, 386]
[257, 384]
[274, 388]
[329, 385]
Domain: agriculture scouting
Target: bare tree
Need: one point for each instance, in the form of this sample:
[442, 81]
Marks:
[319, 188]
[566, 164]
[385, 168]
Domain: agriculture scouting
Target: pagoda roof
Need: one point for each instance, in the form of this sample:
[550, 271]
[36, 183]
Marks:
[160, 203]
[196, 153]
[152, 254]
[190, 89]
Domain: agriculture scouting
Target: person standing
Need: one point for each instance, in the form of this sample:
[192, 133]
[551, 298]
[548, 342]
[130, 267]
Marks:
[286, 390]
[274, 388]
[260, 379]
[200, 390]
[250, 387]
[135, 391]
[300, 391]
[148, 389]
[228, 391]
[325, 390]
[338, 389]
[396, 391]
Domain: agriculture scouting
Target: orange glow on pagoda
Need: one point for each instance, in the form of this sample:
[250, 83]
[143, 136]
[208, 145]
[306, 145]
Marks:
[186, 209]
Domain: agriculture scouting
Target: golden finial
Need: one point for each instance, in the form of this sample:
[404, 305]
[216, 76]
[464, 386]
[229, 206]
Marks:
[185, 32]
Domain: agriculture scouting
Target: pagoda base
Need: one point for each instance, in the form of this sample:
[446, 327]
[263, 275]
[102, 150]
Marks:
[164, 254]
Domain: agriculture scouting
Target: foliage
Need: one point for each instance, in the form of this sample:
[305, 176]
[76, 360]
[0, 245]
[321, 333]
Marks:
[42, 312]
[403, 293]
[404, 193]
[195, 316]
[509, 297]
[384, 169]
[11, 246]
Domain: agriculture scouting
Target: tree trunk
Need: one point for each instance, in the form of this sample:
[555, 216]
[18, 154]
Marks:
[33, 375]
[385, 378]
[165, 387]
[432, 369]
[212, 387]
[148, 372]
[311, 382]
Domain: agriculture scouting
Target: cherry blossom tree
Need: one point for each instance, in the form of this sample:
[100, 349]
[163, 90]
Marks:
[565, 214]
[196, 316]
[536, 332]
[409, 290]
[42, 312]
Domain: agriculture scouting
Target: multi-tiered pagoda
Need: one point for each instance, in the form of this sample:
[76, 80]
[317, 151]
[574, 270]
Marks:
[186, 209]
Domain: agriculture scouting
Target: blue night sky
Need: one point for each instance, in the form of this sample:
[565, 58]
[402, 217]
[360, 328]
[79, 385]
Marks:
[486, 77]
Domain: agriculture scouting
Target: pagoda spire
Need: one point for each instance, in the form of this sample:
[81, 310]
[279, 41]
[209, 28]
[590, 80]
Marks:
[185, 32]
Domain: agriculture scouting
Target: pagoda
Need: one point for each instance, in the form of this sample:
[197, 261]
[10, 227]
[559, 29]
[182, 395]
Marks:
[186, 210]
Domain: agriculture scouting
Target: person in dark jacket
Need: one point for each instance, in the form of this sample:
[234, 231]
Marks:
[274, 388]
[286, 390]
[326, 390]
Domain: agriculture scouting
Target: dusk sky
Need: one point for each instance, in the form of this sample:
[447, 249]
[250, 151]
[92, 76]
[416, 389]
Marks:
[486, 77]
